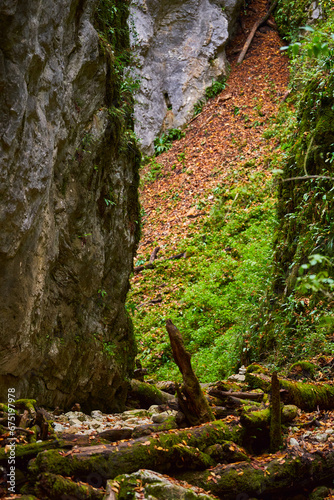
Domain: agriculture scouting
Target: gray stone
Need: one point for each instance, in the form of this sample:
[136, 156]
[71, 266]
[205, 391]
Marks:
[58, 427]
[237, 378]
[180, 47]
[74, 422]
[321, 437]
[77, 415]
[65, 255]
[162, 417]
[294, 442]
[97, 414]
[134, 413]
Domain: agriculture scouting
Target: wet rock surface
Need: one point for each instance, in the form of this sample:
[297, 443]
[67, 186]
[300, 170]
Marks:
[65, 252]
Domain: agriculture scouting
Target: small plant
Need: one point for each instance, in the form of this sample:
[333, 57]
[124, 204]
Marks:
[181, 157]
[154, 171]
[215, 89]
[198, 107]
[210, 92]
[164, 142]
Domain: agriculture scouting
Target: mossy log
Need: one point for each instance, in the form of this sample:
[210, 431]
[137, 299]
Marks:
[265, 479]
[55, 487]
[191, 398]
[307, 396]
[148, 395]
[223, 395]
[260, 418]
[27, 451]
[160, 452]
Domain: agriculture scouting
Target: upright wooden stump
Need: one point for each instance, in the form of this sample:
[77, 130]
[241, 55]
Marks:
[191, 398]
[275, 415]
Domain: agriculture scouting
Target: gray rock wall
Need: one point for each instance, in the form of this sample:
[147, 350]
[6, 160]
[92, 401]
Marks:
[180, 46]
[68, 210]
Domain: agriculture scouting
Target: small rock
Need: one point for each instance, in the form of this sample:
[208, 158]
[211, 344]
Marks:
[158, 418]
[321, 437]
[58, 427]
[97, 415]
[294, 442]
[237, 378]
[154, 409]
[76, 415]
[307, 434]
[95, 424]
[329, 431]
[74, 422]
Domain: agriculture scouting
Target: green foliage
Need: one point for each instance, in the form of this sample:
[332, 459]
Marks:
[164, 142]
[152, 173]
[290, 15]
[198, 107]
[297, 318]
[213, 294]
[215, 89]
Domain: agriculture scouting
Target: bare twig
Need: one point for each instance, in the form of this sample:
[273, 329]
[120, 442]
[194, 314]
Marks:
[306, 177]
[254, 29]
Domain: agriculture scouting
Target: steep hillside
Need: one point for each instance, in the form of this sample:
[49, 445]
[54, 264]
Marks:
[212, 197]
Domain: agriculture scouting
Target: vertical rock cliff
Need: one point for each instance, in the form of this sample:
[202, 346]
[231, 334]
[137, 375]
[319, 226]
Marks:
[69, 210]
[180, 47]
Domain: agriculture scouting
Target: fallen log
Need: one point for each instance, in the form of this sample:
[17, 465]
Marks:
[151, 264]
[286, 472]
[154, 254]
[307, 396]
[175, 449]
[148, 394]
[253, 31]
[191, 398]
[251, 396]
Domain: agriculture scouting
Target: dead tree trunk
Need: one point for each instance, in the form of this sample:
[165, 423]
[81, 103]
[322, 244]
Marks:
[191, 398]
[275, 415]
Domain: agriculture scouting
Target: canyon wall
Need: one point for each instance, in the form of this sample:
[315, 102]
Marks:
[69, 211]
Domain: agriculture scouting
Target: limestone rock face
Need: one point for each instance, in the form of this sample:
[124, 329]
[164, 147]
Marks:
[180, 46]
[68, 211]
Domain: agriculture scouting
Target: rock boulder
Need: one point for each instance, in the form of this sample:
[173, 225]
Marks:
[180, 46]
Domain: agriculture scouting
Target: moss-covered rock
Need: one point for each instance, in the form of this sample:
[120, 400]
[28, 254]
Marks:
[302, 369]
[154, 485]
